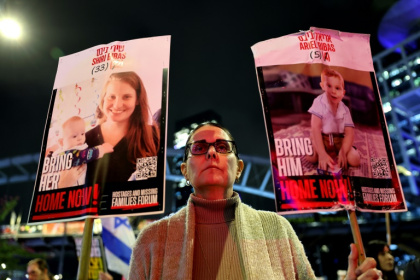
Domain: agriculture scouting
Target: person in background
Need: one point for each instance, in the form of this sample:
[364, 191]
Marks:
[412, 270]
[216, 236]
[379, 250]
[37, 269]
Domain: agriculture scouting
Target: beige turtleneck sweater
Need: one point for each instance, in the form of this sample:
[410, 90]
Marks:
[215, 249]
[267, 246]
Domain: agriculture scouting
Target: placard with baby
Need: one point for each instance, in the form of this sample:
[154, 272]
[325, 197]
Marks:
[329, 146]
[105, 133]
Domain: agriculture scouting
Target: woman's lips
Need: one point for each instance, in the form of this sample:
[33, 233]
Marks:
[212, 167]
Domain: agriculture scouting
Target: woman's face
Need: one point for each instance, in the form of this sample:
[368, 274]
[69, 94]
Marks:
[211, 169]
[119, 101]
[386, 260]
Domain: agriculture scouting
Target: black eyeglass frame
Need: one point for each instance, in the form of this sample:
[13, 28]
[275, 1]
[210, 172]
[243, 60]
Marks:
[188, 147]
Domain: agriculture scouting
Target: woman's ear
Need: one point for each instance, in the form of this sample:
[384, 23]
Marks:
[240, 168]
[184, 170]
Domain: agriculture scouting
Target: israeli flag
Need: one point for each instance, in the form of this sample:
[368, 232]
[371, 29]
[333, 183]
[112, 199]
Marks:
[118, 238]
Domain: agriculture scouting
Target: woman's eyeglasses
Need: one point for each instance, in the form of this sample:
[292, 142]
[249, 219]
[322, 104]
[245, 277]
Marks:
[202, 147]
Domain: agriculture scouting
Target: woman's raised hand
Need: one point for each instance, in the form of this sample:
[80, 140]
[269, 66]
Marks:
[366, 271]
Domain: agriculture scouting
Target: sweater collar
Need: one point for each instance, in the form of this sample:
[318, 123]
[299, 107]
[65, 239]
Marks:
[215, 211]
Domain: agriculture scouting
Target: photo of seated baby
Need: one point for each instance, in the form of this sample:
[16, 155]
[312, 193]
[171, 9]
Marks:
[73, 141]
[332, 127]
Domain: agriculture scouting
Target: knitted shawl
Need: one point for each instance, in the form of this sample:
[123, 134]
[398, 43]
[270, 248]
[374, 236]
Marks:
[269, 247]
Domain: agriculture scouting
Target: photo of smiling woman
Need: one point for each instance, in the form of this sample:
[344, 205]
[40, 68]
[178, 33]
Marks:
[124, 120]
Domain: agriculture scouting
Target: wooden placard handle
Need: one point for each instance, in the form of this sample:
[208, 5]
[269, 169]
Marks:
[84, 260]
[357, 237]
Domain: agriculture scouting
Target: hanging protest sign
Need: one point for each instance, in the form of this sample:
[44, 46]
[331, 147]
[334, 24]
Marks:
[329, 145]
[103, 151]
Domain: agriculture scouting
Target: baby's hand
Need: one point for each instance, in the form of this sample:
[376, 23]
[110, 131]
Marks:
[105, 148]
[342, 159]
[52, 149]
[325, 161]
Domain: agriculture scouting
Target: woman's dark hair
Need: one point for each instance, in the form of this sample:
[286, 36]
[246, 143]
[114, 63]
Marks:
[375, 247]
[235, 149]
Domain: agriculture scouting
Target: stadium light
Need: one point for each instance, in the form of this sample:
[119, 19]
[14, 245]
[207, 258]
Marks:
[10, 28]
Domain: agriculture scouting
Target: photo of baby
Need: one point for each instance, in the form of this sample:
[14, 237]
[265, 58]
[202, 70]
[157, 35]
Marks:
[332, 127]
[73, 141]
[331, 108]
